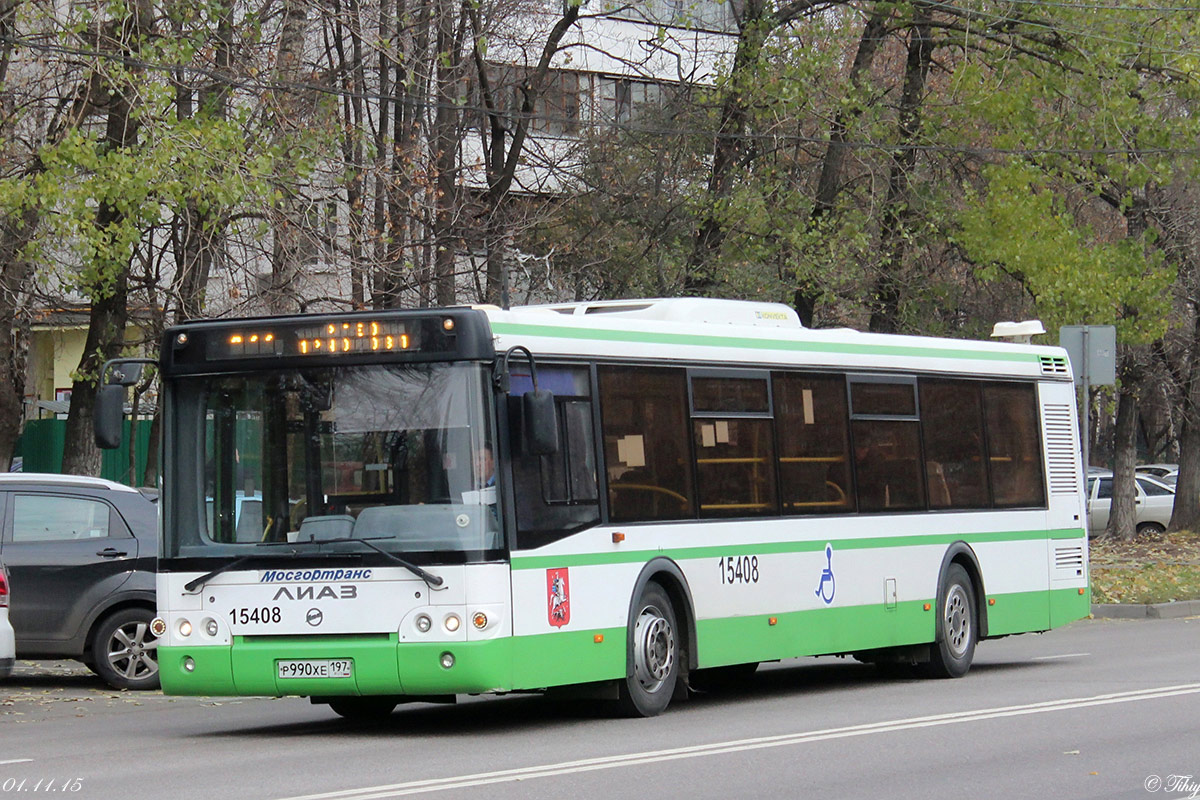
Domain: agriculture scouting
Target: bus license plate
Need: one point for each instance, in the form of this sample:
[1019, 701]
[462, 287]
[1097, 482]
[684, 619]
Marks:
[316, 668]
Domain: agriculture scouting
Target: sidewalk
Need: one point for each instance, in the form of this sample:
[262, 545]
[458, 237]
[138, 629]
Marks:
[1181, 608]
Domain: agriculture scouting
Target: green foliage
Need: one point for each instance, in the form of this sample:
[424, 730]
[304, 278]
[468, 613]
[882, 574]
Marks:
[1020, 227]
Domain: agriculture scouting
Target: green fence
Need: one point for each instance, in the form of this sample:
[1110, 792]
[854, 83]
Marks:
[41, 448]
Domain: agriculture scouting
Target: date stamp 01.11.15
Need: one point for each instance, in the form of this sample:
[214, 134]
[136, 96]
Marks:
[43, 785]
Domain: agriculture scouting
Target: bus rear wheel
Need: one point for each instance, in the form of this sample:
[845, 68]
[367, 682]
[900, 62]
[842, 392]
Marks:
[363, 709]
[957, 627]
[654, 645]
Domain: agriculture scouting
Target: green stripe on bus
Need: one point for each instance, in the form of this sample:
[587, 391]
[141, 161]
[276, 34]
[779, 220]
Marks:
[770, 548]
[704, 340]
[736, 640]
[384, 665]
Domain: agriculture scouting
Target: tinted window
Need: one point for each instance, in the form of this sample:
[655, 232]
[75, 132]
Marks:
[814, 447]
[1153, 489]
[730, 394]
[41, 518]
[735, 467]
[646, 443]
[894, 399]
[1105, 492]
[556, 494]
[1014, 444]
[887, 465]
[952, 432]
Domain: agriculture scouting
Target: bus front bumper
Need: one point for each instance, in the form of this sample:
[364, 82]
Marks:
[381, 666]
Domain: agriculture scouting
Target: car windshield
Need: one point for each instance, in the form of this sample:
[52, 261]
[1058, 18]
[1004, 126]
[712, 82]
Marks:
[400, 455]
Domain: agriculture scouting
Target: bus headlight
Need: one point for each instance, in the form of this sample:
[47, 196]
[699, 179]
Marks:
[424, 623]
[185, 628]
[447, 660]
[452, 622]
[479, 620]
[210, 627]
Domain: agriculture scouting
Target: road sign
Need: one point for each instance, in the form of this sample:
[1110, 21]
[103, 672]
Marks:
[1093, 351]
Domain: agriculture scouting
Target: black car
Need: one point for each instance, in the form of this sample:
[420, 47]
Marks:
[81, 555]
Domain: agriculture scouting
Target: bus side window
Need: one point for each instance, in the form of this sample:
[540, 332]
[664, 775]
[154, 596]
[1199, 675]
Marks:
[888, 470]
[734, 445]
[814, 446]
[555, 494]
[644, 412]
[1014, 444]
[952, 432]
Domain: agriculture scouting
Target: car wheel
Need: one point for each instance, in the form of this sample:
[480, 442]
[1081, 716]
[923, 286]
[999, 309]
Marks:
[957, 629]
[1150, 528]
[363, 709]
[654, 642]
[124, 650]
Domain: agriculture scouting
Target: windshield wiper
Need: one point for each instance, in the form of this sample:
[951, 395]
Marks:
[434, 581]
[195, 584]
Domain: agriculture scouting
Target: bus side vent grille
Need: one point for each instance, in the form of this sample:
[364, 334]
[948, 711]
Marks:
[1068, 560]
[1053, 365]
[1060, 448]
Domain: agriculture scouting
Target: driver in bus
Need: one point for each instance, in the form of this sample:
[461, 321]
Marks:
[484, 467]
[483, 478]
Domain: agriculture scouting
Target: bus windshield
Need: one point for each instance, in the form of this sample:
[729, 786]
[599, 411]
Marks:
[397, 454]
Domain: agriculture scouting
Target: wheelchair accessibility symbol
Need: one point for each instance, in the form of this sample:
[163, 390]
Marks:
[827, 586]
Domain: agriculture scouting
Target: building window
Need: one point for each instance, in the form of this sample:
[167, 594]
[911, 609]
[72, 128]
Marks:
[556, 110]
[622, 101]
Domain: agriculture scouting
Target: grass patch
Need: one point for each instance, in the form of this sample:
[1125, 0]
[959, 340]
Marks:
[1156, 568]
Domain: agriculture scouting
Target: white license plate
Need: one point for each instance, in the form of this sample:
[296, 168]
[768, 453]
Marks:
[316, 668]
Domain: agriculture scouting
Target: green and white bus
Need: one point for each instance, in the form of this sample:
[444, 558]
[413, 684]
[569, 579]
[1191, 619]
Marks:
[622, 497]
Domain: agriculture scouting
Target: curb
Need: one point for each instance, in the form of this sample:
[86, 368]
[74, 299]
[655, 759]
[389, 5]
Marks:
[1177, 610]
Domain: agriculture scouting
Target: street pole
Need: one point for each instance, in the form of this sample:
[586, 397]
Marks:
[1087, 408]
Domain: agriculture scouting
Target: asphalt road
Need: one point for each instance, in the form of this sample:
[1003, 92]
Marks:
[1100, 709]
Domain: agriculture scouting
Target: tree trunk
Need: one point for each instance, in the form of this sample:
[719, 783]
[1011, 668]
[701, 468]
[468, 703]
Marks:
[283, 295]
[1122, 521]
[105, 339]
[108, 293]
[15, 275]
[728, 149]
[501, 162]
[447, 136]
[1186, 514]
[885, 301]
[829, 183]
[198, 233]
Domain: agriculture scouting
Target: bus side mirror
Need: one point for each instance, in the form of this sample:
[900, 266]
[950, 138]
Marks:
[108, 417]
[541, 423]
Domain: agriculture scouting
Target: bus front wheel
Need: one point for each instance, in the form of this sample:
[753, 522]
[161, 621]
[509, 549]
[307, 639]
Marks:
[654, 642]
[957, 627]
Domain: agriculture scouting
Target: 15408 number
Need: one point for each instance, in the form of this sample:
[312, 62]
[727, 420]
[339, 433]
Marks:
[738, 569]
[259, 616]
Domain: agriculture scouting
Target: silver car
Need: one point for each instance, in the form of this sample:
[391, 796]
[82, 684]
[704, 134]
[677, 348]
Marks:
[1155, 502]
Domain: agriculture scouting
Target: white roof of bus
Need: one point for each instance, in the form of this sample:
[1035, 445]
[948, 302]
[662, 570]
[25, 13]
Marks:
[751, 334]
